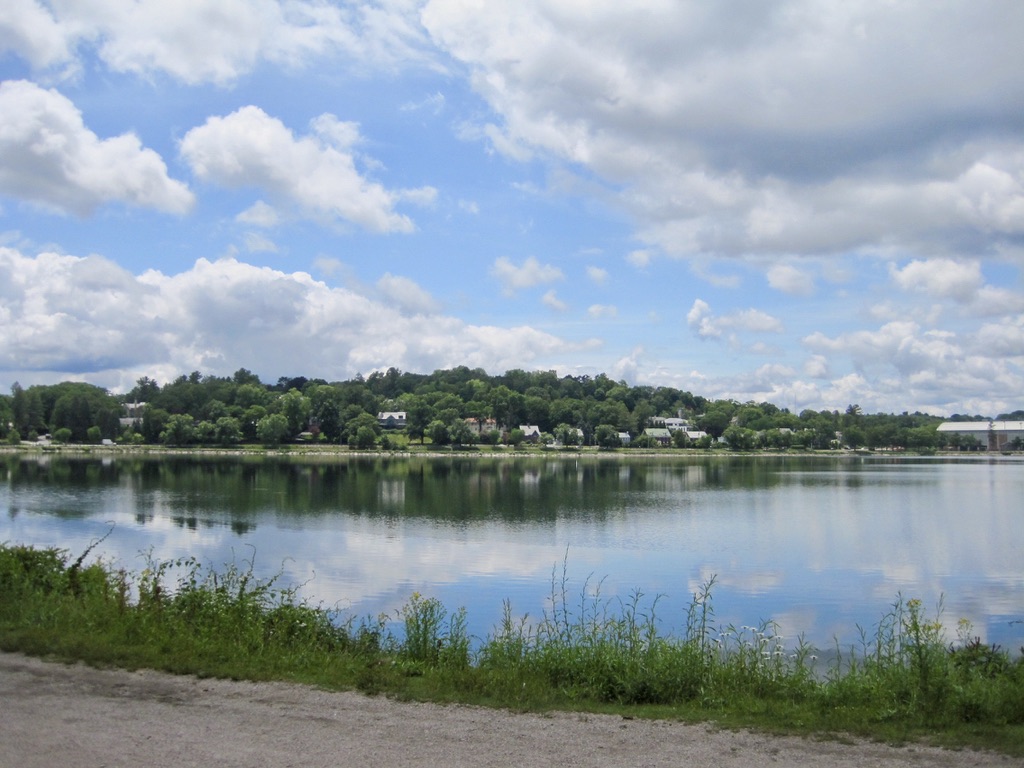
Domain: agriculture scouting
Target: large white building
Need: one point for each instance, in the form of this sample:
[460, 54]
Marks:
[992, 435]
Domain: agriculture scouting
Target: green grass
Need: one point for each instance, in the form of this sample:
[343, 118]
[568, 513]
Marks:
[903, 683]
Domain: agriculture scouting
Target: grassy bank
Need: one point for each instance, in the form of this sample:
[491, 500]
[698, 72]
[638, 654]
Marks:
[904, 682]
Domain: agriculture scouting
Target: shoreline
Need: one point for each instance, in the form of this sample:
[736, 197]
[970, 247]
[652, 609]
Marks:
[344, 452]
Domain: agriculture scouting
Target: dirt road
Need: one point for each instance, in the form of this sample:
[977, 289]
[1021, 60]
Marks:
[72, 716]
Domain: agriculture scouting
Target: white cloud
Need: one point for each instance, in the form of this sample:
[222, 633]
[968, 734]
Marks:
[786, 129]
[998, 301]
[940, 278]
[902, 345]
[255, 243]
[816, 366]
[597, 275]
[850, 389]
[628, 368]
[699, 319]
[1003, 339]
[259, 214]
[66, 315]
[639, 258]
[933, 370]
[700, 268]
[706, 324]
[79, 315]
[49, 157]
[602, 311]
[328, 265]
[752, 320]
[30, 31]
[406, 294]
[213, 41]
[867, 348]
[433, 103]
[531, 273]
[955, 280]
[316, 172]
[790, 280]
[551, 300]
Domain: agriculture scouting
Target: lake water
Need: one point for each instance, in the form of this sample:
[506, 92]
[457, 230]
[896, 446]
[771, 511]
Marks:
[821, 545]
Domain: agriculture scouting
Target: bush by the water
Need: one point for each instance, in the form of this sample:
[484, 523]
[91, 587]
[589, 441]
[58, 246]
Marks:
[905, 680]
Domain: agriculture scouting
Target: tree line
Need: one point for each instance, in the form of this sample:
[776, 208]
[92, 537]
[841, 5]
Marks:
[458, 406]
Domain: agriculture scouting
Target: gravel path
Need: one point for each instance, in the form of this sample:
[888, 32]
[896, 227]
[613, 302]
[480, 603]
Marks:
[73, 716]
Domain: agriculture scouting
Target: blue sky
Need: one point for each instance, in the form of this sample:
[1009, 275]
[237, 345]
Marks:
[814, 205]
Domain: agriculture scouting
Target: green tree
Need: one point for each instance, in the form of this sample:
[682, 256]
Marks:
[245, 376]
[250, 422]
[205, 432]
[680, 439]
[272, 429]
[567, 435]
[227, 431]
[922, 438]
[180, 430]
[154, 421]
[777, 439]
[854, 436]
[716, 419]
[506, 406]
[325, 411]
[438, 433]
[363, 438]
[73, 412]
[295, 407]
[537, 410]
[19, 407]
[740, 438]
[460, 433]
[145, 390]
[607, 436]
[359, 421]
[418, 415]
[611, 412]
[248, 395]
[213, 410]
[642, 414]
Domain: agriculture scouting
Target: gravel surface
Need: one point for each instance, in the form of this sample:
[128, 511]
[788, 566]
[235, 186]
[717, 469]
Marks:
[72, 716]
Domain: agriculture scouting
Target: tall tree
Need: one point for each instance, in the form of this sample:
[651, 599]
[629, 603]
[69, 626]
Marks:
[295, 407]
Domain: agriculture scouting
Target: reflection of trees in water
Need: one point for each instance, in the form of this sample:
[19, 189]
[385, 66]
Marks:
[200, 491]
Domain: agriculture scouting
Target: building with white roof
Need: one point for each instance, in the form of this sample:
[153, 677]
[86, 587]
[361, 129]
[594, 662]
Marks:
[992, 435]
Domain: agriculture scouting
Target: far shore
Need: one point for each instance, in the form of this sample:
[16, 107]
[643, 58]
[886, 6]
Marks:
[308, 450]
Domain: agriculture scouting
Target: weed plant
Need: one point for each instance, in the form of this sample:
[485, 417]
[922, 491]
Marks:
[902, 680]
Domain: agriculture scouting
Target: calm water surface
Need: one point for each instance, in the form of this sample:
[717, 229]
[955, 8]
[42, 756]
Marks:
[820, 545]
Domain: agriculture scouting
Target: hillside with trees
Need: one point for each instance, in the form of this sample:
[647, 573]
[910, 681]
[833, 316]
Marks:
[456, 407]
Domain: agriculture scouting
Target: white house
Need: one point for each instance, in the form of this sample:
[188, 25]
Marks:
[993, 435]
[391, 419]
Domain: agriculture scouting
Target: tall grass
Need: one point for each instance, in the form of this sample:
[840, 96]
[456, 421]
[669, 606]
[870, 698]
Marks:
[903, 680]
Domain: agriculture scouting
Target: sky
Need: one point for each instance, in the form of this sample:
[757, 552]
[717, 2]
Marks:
[810, 204]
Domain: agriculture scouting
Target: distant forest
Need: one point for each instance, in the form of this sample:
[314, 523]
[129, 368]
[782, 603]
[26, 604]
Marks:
[457, 407]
